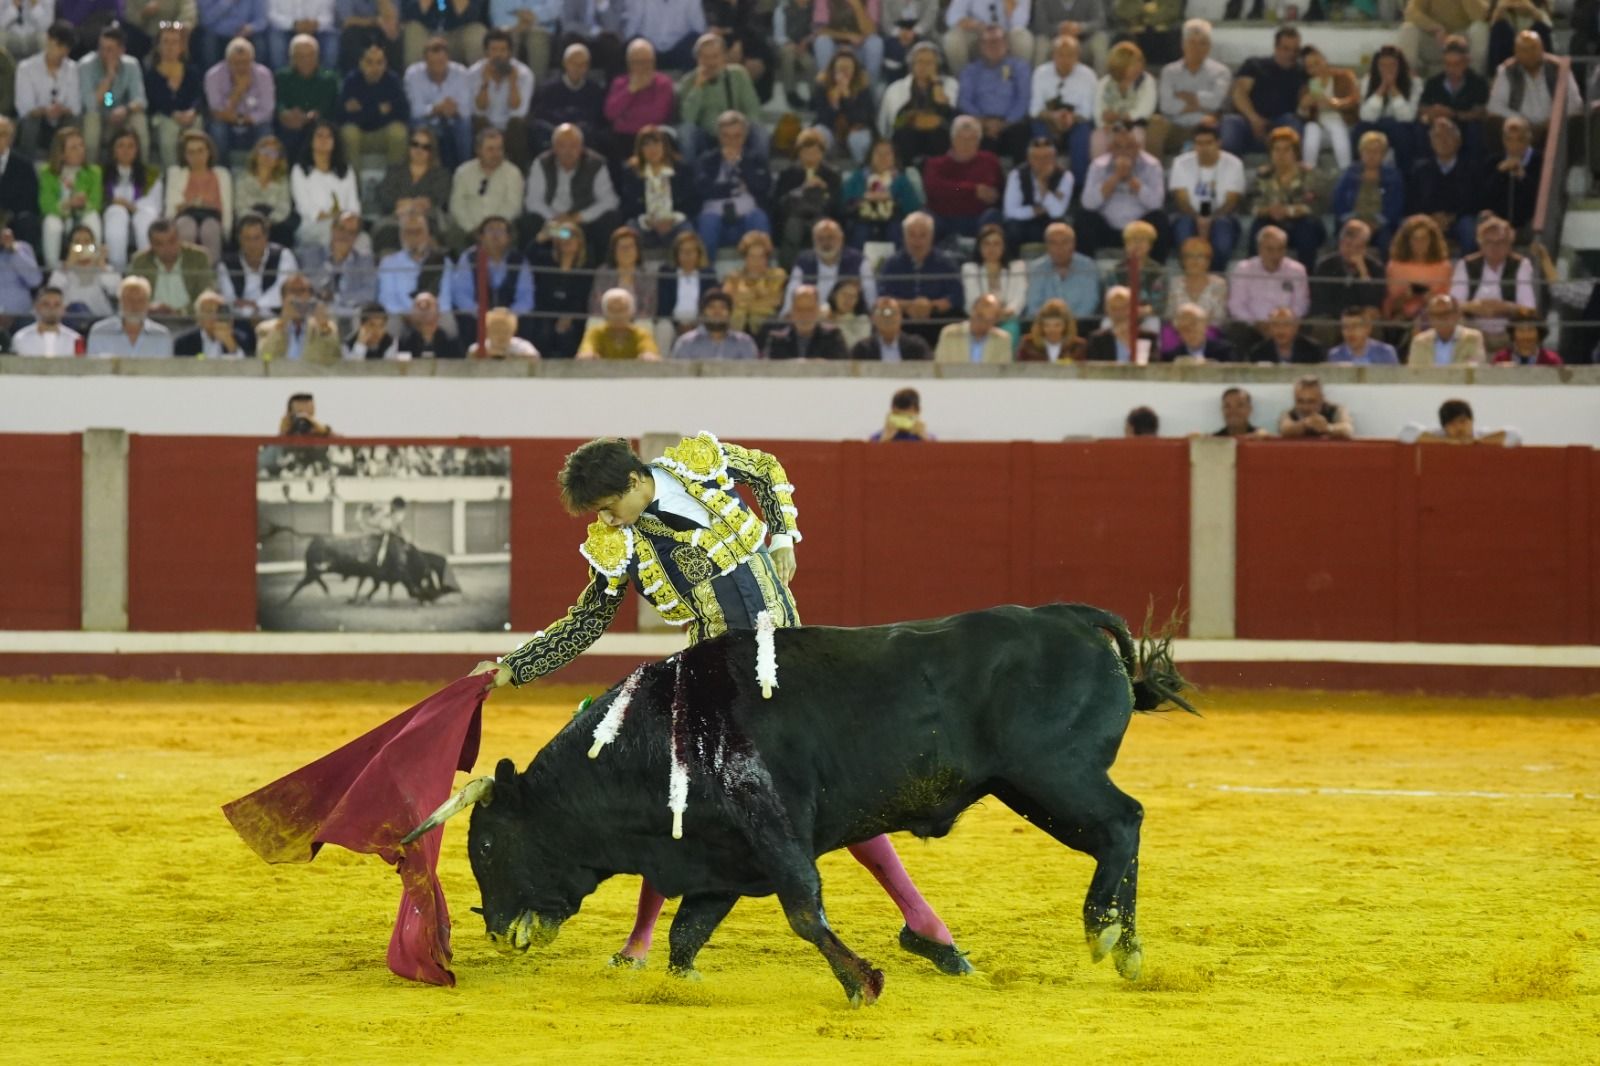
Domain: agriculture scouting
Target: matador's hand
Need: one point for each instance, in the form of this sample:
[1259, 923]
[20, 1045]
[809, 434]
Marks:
[783, 561]
[501, 672]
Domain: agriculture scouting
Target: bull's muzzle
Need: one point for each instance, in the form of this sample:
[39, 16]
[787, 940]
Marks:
[526, 930]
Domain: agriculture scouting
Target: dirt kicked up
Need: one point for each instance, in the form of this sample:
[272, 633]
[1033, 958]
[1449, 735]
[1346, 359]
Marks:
[1283, 921]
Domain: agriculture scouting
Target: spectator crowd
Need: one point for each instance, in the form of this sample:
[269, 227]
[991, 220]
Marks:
[966, 181]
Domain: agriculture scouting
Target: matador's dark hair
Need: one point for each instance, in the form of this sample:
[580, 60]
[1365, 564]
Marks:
[597, 471]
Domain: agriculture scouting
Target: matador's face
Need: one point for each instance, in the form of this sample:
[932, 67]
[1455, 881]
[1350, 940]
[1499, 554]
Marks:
[625, 509]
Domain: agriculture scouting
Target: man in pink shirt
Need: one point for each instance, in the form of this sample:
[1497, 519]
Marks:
[963, 185]
[1262, 284]
[641, 97]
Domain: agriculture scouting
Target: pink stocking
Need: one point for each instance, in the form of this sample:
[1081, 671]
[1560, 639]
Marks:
[878, 856]
[644, 922]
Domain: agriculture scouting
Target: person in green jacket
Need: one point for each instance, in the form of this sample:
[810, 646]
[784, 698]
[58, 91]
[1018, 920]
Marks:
[712, 87]
[70, 192]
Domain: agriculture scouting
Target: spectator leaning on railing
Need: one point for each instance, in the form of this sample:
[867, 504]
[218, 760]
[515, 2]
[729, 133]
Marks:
[1312, 417]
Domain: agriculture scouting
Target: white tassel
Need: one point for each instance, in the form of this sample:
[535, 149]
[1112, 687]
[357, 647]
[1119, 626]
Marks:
[766, 655]
[678, 796]
[611, 724]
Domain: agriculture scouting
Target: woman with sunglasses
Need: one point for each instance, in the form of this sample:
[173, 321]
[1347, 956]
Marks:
[419, 183]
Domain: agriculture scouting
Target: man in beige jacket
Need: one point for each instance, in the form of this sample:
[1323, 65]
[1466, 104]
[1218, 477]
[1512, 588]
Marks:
[1448, 343]
[302, 331]
[977, 340]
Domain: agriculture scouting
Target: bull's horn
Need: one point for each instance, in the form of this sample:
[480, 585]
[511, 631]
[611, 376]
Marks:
[478, 790]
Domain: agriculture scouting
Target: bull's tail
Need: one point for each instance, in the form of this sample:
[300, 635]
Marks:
[1155, 677]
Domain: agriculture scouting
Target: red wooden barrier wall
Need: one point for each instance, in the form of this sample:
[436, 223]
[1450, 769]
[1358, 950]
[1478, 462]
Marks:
[1381, 541]
[891, 532]
[1360, 541]
[41, 537]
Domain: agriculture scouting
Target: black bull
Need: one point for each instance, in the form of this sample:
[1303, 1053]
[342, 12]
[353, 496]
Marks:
[424, 574]
[875, 730]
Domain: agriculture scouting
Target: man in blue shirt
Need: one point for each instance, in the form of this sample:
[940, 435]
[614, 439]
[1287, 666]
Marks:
[672, 26]
[925, 281]
[995, 90]
[532, 24]
[130, 335]
[1359, 347]
[419, 266]
[1266, 95]
[374, 110]
[510, 278]
[1063, 273]
[223, 20]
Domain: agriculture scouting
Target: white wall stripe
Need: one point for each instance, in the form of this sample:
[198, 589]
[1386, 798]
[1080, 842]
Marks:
[657, 645]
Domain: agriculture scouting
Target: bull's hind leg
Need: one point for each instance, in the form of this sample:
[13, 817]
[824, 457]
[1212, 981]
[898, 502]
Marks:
[1095, 817]
[697, 918]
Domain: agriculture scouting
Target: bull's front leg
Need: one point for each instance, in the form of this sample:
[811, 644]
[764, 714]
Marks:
[802, 905]
[697, 918]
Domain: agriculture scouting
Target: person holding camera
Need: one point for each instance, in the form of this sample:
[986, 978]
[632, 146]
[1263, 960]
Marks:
[300, 418]
[303, 331]
[502, 91]
[904, 421]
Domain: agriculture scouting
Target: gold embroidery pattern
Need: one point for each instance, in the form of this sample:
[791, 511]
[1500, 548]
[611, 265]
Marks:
[693, 562]
[551, 649]
[766, 478]
[710, 621]
[774, 593]
[658, 588]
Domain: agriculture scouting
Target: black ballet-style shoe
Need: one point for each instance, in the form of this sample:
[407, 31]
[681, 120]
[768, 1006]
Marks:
[947, 957]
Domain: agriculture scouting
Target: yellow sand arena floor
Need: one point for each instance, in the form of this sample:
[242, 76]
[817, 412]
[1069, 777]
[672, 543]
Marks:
[1279, 926]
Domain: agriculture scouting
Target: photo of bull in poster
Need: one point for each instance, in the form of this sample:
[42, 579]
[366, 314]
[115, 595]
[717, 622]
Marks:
[383, 538]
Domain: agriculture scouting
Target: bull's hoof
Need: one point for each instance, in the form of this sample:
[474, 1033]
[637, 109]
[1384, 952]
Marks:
[865, 995]
[687, 973]
[1102, 941]
[623, 961]
[947, 957]
[1128, 956]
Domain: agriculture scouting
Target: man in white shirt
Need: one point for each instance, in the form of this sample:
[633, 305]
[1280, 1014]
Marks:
[47, 336]
[965, 20]
[23, 24]
[827, 261]
[1493, 283]
[1036, 195]
[486, 185]
[49, 94]
[251, 279]
[502, 89]
[1207, 186]
[1526, 85]
[1192, 88]
[440, 95]
[1063, 102]
[571, 185]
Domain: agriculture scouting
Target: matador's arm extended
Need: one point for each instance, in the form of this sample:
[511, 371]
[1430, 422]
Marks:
[564, 640]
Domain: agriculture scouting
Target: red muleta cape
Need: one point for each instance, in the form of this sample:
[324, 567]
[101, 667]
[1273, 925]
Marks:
[369, 794]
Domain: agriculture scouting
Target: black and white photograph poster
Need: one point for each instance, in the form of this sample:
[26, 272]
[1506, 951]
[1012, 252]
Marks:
[383, 538]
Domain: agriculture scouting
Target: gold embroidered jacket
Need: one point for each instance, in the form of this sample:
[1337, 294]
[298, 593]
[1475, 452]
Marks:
[709, 580]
